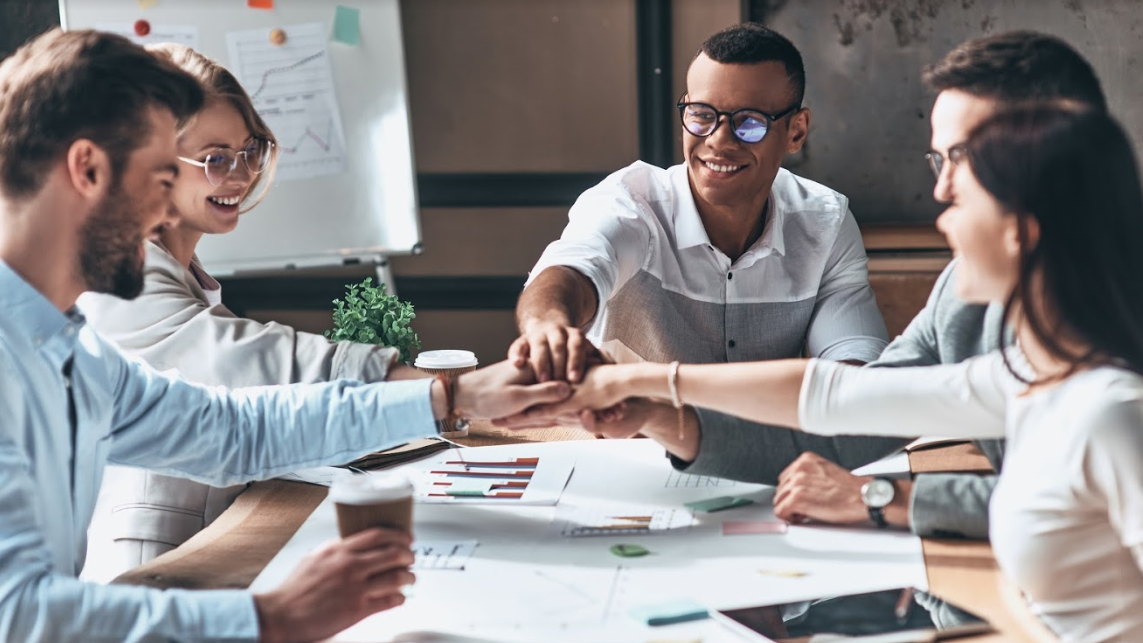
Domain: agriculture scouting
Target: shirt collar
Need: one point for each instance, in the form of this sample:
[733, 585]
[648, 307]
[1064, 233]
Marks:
[28, 315]
[690, 232]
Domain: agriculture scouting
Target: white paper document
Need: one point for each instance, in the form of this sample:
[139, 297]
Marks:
[442, 554]
[533, 578]
[159, 32]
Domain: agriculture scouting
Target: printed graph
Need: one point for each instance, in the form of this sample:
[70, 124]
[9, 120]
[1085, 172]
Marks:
[443, 555]
[292, 88]
[507, 480]
[577, 522]
[676, 479]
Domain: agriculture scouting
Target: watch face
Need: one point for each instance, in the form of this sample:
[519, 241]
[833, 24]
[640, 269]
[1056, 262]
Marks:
[877, 493]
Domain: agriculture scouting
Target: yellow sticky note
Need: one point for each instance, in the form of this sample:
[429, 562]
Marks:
[147, 4]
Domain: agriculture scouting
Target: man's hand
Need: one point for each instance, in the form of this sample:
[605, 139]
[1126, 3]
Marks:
[337, 586]
[503, 389]
[814, 488]
[554, 351]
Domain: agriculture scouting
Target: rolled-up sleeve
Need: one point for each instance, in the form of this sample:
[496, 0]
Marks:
[607, 238]
[846, 323]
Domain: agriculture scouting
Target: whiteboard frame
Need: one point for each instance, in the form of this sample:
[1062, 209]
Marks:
[374, 202]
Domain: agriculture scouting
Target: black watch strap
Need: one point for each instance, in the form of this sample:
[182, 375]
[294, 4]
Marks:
[877, 515]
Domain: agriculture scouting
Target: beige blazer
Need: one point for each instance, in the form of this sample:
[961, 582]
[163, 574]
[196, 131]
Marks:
[173, 325]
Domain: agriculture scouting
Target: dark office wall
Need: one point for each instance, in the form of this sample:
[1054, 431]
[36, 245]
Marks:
[22, 19]
[870, 111]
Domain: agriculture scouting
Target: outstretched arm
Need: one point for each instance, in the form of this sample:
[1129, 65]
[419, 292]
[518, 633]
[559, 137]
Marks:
[961, 400]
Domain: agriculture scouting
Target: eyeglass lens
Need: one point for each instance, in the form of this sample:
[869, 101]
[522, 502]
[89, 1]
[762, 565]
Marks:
[220, 163]
[749, 126]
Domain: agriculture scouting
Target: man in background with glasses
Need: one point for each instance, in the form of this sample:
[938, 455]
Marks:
[727, 257]
[972, 82]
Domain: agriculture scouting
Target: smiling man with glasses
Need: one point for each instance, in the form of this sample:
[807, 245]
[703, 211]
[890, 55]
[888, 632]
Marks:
[726, 257]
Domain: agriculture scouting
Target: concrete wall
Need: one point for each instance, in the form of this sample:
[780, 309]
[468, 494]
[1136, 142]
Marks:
[870, 111]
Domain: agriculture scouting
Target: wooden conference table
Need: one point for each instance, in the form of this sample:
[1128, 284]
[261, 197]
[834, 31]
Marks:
[232, 551]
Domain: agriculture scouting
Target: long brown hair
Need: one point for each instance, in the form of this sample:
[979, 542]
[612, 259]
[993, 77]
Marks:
[219, 84]
[1073, 171]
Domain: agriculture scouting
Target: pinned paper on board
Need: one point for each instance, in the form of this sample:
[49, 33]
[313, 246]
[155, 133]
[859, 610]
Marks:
[144, 32]
[347, 25]
[291, 85]
[147, 4]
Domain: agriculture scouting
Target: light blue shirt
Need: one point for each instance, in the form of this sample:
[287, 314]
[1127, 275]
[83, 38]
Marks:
[126, 413]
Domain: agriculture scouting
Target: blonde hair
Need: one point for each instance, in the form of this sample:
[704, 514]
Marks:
[219, 84]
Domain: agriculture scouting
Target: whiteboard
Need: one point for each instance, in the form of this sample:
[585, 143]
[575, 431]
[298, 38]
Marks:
[343, 194]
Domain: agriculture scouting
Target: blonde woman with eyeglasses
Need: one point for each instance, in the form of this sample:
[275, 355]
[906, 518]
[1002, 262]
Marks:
[227, 156]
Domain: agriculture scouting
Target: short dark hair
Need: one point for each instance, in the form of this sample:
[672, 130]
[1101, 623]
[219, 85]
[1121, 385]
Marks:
[1018, 66]
[1073, 170]
[67, 85]
[750, 43]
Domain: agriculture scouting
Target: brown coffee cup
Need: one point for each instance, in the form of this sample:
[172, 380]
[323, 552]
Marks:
[373, 499]
[452, 364]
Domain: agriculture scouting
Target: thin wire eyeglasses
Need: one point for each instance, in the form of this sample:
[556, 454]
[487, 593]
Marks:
[749, 125]
[955, 155]
[221, 162]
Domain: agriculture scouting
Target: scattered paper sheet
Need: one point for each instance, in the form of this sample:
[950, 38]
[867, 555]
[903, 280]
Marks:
[442, 554]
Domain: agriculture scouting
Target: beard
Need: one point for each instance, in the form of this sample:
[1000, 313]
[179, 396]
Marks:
[110, 240]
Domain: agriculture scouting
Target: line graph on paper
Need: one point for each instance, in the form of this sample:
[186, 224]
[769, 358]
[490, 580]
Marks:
[679, 480]
[292, 88]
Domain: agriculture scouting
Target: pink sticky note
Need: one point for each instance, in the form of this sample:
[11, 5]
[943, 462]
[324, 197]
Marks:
[750, 527]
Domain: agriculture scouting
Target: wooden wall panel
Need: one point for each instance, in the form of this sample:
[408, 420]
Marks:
[502, 242]
[521, 85]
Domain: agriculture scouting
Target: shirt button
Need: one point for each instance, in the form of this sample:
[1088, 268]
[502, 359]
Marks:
[730, 343]
[730, 275]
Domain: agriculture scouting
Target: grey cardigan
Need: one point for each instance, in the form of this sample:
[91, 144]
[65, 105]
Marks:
[173, 325]
[946, 331]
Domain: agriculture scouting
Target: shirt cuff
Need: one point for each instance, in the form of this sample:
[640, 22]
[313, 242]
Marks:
[224, 616]
[406, 409]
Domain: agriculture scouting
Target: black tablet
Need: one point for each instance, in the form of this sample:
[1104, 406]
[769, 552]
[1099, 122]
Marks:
[902, 615]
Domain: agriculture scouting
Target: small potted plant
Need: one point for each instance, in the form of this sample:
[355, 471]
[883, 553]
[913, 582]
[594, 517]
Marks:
[371, 316]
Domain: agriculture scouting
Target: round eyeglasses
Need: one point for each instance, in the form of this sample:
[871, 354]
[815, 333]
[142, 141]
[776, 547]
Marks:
[219, 163]
[954, 156]
[748, 125]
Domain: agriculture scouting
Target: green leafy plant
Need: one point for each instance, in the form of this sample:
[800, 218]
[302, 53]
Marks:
[371, 316]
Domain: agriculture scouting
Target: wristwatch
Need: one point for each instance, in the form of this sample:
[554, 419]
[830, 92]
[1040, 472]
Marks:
[877, 494]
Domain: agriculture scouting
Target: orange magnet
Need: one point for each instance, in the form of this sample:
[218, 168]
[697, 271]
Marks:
[278, 37]
[142, 27]
[260, 4]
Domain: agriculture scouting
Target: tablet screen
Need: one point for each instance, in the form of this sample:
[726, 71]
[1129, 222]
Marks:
[889, 615]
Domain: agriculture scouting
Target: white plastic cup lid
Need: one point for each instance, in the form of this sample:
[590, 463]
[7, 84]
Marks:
[349, 488]
[445, 359]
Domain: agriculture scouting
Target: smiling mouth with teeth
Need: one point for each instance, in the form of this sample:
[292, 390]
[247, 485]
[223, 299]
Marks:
[722, 168]
[230, 200]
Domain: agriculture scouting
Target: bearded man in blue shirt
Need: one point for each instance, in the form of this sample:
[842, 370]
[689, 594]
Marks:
[87, 162]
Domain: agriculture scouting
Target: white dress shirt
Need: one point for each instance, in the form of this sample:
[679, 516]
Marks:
[666, 292]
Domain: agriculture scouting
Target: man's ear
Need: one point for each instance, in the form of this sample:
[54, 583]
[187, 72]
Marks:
[88, 168]
[798, 130]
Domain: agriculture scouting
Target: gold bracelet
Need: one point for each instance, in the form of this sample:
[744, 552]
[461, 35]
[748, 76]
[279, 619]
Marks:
[676, 399]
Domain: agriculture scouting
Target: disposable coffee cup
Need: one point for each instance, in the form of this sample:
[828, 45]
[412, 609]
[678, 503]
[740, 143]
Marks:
[452, 364]
[372, 499]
